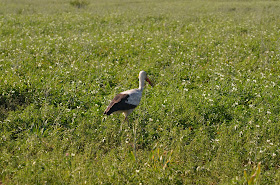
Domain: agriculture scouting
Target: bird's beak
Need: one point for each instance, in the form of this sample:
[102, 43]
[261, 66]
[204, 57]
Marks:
[148, 80]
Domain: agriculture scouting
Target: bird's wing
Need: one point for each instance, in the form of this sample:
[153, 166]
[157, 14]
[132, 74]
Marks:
[134, 97]
[119, 102]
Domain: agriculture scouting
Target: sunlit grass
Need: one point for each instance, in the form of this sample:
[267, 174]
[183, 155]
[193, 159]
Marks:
[213, 113]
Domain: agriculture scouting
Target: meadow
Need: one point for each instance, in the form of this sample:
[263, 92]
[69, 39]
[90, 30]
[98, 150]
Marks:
[212, 117]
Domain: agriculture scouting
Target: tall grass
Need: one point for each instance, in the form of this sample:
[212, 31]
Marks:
[213, 113]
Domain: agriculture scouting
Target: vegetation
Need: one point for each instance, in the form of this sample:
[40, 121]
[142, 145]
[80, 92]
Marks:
[213, 116]
[79, 3]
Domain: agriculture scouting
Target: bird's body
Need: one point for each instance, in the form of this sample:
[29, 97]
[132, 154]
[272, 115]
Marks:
[127, 101]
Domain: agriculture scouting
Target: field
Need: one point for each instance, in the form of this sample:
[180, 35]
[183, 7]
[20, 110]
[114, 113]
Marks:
[212, 117]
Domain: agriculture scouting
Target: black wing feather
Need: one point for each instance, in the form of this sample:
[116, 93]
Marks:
[119, 103]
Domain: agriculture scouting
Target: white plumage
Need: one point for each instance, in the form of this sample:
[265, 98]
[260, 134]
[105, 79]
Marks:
[134, 96]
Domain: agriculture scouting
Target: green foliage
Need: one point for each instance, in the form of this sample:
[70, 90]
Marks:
[212, 115]
[161, 160]
[254, 177]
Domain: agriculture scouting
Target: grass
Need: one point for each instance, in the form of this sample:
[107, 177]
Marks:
[212, 117]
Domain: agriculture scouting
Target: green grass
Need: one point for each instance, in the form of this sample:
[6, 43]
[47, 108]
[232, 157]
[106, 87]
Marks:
[212, 114]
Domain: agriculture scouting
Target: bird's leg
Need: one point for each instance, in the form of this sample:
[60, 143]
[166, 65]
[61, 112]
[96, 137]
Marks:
[121, 131]
[134, 140]
[126, 119]
[121, 126]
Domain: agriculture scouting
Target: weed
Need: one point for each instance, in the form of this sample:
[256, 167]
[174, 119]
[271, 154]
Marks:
[253, 179]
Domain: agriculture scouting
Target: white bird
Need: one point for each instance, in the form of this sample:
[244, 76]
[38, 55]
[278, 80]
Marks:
[127, 101]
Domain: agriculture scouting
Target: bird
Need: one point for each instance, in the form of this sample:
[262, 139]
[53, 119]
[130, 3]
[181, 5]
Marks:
[126, 101]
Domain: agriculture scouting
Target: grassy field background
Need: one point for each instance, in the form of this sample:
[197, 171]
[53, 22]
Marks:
[212, 115]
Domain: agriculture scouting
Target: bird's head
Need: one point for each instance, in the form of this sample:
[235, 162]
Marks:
[143, 76]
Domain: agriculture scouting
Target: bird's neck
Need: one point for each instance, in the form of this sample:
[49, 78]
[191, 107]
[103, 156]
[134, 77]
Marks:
[141, 84]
